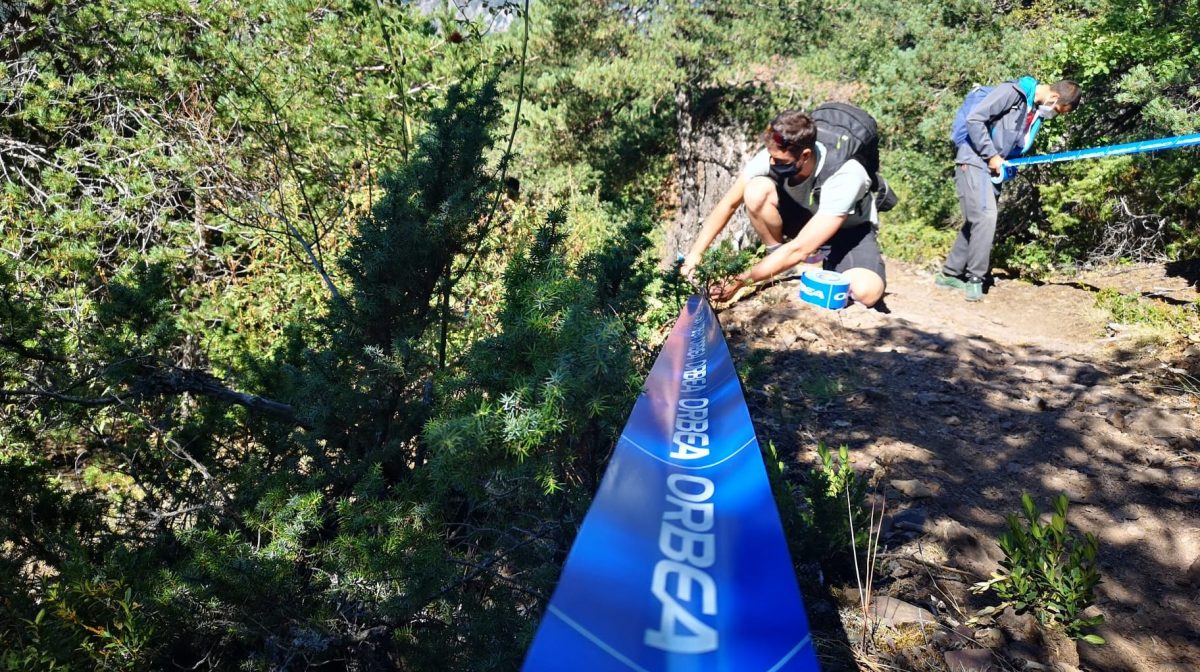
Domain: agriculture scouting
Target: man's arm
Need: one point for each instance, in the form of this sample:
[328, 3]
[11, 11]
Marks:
[841, 195]
[979, 120]
[814, 234]
[715, 223]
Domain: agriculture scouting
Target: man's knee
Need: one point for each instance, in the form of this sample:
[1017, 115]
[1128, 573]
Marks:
[760, 194]
[866, 286]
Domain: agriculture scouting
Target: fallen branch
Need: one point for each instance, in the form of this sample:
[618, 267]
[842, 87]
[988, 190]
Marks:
[927, 563]
[174, 381]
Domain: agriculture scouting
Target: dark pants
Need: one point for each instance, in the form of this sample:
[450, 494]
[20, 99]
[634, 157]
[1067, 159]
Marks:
[972, 251]
[851, 247]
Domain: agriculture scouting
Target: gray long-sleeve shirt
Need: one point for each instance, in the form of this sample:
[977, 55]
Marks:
[995, 126]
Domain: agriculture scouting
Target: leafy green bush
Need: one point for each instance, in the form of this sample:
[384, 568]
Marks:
[1048, 571]
[82, 623]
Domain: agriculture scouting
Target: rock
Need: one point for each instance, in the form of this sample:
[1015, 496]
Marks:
[875, 394]
[1116, 419]
[1058, 378]
[953, 421]
[893, 612]
[1192, 576]
[898, 570]
[847, 596]
[1060, 647]
[1176, 604]
[1088, 376]
[1152, 476]
[1065, 667]
[1028, 654]
[1124, 534]
[1183, 444]
[991, 638]
[927, 398]
[1071, 483]
[807, 336]
[1021, 627]
[914, 488]
[970, 660]
[1032, 374]
[974, 553]
[960, 635]
[1159, 422]
[913, 519]
[1075, 416]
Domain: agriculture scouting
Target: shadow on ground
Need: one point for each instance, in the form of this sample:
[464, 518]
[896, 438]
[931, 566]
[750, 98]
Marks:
[974, 423]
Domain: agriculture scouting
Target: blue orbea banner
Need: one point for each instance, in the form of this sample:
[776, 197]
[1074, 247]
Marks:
[680, 564]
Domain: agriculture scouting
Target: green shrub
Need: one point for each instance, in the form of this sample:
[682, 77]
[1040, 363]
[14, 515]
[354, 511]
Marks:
[82, 623]
[835, 511]
[1127, 309]
[1048, 571]
[666, 294]
[721, 262]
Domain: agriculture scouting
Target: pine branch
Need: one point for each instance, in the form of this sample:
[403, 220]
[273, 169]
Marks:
[39, 354]
[171, 382]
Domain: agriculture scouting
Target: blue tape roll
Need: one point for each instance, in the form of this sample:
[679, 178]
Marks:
[827, 289]
[1007, 172]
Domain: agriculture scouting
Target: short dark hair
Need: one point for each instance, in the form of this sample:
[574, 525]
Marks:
[1068, 92]
[791, 131]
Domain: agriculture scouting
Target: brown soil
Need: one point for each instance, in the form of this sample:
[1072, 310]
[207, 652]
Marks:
[966, 406]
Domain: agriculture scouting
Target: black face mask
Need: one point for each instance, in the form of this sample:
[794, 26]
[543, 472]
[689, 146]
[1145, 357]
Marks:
[784, 171]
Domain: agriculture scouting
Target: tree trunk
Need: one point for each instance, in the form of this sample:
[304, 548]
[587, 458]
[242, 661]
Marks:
[711, 154]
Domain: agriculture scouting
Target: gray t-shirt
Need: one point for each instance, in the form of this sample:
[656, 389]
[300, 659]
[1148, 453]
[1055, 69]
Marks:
[846, 192]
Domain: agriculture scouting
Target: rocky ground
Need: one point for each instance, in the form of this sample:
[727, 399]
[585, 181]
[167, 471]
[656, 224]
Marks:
[956, 409]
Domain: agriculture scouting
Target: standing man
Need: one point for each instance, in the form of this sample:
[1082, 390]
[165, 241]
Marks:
[803, 199]
[993, 125]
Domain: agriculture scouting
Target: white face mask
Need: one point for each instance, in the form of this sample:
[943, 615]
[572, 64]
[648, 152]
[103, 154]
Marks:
[1047, 111]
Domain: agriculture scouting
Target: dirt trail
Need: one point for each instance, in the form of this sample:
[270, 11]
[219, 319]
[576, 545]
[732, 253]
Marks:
[958, 408]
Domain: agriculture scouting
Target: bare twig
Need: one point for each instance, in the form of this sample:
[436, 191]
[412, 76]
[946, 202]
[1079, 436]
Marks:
[921, 561]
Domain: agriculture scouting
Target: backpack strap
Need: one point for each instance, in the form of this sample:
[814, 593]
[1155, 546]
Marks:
[838, 150]
[1028, 86]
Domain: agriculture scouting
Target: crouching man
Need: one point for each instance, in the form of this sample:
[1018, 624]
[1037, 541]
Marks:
[807, 201]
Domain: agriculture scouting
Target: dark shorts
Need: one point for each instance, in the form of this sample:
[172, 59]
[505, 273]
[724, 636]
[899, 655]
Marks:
[851, 247]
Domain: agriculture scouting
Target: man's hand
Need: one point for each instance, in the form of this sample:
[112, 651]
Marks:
[689, 267]
[996, 164]
[726, 292]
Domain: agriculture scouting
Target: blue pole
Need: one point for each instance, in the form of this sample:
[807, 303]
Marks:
[1139, 147]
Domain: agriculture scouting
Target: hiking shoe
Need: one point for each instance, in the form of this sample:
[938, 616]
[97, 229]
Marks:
[948, 281]
[974, 289]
